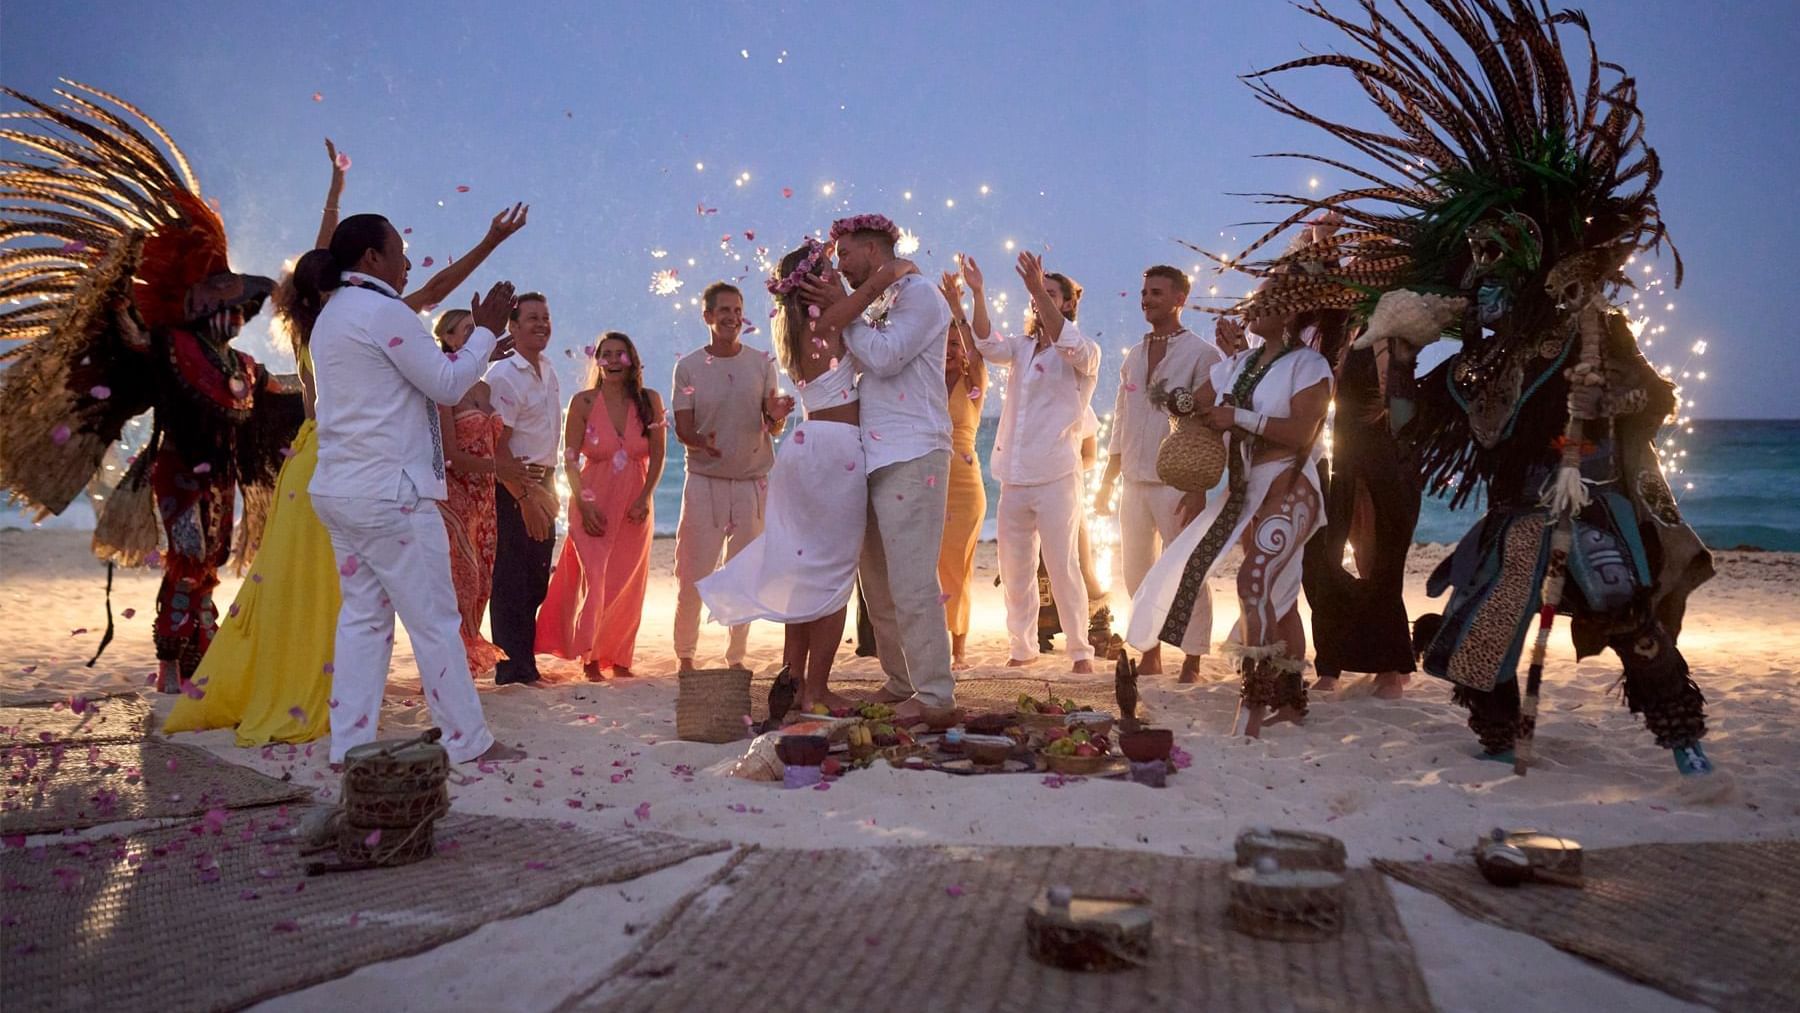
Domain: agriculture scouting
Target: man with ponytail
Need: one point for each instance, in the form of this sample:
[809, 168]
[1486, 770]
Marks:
[380, 378]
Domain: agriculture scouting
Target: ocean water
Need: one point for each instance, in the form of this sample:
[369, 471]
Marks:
[1745, 478]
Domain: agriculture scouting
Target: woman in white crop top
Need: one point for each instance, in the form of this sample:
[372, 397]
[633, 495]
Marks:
[803, 567]
[1270, 401]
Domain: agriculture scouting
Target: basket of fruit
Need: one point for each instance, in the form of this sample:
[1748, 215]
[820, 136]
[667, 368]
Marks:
[1096, 722]
[861, 741]
[1050, 712]
[1076, 752]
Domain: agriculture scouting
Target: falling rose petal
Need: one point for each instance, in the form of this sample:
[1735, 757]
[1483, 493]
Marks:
[799, 437]
[28, 669]
[59, 435]
[787, 191]
[100, 392]
[943, 597]
[954, 890]
[397, 341]
[642, 812]
[298, 714]
[318, 96]
[202, 468]
[78, 632]
[750, 235]
[849, 465]
[362, 722]
[931, 481]
[373, 840]
[343, 164]
[1131, 388]
[191, 691]
[406, 231]
[462, 189]
[349, 566]
[427, 262]
[812, 312]
[328, 668]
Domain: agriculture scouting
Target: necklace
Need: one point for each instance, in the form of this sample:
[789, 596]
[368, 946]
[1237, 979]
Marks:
[1164, 337]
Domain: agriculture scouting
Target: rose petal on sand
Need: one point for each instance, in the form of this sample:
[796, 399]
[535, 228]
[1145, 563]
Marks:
[642, 812]
[954, 890]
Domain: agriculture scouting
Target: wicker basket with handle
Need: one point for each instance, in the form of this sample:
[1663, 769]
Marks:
[1192, 457]
[711, 705]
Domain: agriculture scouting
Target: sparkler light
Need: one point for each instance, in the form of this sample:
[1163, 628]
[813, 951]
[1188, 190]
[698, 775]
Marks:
[665, 282]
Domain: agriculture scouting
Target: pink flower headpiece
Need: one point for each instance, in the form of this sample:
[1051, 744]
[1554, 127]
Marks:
[778, 285]
[865, 223]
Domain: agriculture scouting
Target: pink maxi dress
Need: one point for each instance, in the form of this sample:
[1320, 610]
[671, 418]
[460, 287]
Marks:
[596, 598]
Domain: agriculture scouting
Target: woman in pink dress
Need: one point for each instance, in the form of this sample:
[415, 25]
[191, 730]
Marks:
[469, 508]
[614, 457]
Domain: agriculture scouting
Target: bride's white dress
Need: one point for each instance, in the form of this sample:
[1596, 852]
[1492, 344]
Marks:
[803, 567]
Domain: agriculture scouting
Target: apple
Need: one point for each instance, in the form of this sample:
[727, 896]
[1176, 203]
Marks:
[1052, 709]
[831, 767]
[1086, 750]
[1052, 734]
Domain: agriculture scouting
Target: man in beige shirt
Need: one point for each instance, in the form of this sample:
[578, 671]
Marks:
[727, 409]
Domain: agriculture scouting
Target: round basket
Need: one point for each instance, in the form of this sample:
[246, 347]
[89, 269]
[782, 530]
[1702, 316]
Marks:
[1040, 722]
[395, 767]
[391, 847]
[1291, 849]
[401, 811]
[1077, 766]
[1291, 905]
[711, 704]
[1192, 457]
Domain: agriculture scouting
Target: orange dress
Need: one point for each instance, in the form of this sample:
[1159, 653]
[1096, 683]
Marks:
[596, 598]
[469, 515]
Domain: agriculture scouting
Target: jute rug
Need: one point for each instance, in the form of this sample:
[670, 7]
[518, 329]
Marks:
[122, 718]
[1711, 923]
[184, 920]
[977, 694]
[944, 928]
[63, 787]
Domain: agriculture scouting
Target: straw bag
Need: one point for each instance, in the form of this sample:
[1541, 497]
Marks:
[711, 705]
[1192, 457]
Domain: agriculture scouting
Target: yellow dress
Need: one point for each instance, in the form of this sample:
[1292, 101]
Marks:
[965, 507]
[267, 671]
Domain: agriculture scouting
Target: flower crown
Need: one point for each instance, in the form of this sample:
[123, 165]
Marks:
[778, 285]
[865, 223]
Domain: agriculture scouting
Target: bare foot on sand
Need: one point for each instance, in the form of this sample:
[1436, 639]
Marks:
[1151, 662]
[1390, 685]
[621, 672]
[1084, 668]
[1190, 670]
[738, 666]
[1017, 663]
[959, 664]
[883, 696]
[684, 665]
[500, 752]
[1325, 684]
[593, 673]
[836, 701]
[1249, 721]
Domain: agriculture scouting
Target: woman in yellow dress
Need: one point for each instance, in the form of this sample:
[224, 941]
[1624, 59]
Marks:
[268, 670]
[965, 506]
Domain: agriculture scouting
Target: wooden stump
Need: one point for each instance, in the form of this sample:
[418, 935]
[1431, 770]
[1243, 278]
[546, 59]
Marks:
[1089, 933]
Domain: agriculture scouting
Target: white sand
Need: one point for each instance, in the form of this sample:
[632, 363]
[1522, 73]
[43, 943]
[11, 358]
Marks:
[1392, 779]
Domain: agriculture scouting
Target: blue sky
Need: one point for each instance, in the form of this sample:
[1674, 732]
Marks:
[1103, 133]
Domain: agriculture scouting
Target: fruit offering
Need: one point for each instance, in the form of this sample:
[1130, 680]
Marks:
[875, 712]
[1028, 704]
[1078, 743]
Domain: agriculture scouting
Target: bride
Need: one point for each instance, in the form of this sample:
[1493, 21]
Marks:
[802, 569]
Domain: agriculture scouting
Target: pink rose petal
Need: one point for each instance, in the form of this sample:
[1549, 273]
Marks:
[397, 341]
[100, 392]
[642, 812]
[427, 262]
[349, 566]
[343, 164]
[954, 890]
[787, 191]
[462, 189]
[202, 468]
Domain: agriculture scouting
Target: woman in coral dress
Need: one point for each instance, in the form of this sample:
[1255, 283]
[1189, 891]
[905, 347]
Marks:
[474, 427]
[613, 452]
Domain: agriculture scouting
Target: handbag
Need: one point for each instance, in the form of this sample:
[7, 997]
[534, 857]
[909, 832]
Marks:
[1192, 457]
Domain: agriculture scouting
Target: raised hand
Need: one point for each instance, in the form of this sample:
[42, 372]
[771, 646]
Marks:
[951, 286]
[495, 309]
[1031, 270]
[337, 168]
[507, 222]
[971, 274]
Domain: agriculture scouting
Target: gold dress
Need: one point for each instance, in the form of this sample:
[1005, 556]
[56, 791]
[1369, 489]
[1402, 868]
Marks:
[965, 507]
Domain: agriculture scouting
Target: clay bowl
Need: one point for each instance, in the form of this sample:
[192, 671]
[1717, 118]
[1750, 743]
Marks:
[1147, 744]
[802, 750]
[988, 724]
[940, 719]
[988, 750]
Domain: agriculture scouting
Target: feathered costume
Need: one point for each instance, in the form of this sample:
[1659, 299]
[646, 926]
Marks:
[130, 306]
[1505, 199]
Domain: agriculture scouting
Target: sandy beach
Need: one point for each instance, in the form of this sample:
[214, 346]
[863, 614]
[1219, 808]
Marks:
[1393, 779]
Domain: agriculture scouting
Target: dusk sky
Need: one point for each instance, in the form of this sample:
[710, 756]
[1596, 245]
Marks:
[1101, 132]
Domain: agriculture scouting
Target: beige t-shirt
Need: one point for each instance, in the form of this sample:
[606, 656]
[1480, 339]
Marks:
[725, 393]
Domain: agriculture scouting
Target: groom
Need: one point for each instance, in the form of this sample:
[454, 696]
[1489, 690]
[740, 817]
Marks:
[899, 346]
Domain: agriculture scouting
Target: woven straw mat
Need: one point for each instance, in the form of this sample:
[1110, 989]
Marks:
[976, 695]
[944, 928]
[1711, 923]
[57, 787]
[171, 919]
[122, 718]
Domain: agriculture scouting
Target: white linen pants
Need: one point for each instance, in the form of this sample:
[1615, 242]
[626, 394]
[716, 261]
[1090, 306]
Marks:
[1048, 514]
[718, 516]
[899, 575]
[394, 557]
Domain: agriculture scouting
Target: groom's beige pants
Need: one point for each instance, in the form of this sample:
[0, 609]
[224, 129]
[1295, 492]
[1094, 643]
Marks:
[899, 573]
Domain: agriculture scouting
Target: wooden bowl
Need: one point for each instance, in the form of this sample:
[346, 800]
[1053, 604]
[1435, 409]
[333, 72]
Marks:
[1075, 765]
[988, 724]
[988, 750]
[802, 750]
[1147, 744]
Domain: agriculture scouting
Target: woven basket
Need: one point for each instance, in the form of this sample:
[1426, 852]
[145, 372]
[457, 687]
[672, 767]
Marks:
[711, 705]
[1298, 905]
[1291, 849]
[1192, 457]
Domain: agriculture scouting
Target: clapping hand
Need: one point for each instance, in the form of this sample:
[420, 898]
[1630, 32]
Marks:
[971, 274]
[507, 222]
[1228, 336]
[493, 310]
[951, 286]
[1031, 271]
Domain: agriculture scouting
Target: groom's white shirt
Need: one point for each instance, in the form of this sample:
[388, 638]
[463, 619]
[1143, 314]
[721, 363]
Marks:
[905, 405]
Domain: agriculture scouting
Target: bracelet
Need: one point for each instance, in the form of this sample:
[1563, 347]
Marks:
[331, 207]
[1246, 419]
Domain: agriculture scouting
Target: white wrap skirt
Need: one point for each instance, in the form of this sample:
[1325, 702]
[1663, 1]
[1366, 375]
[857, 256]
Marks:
[804, 565]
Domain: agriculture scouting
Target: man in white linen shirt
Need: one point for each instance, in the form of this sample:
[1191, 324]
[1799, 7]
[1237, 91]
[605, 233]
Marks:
[529, 401]
[1151, 513]
[1051, 373]
[380, 475]
[899, 345]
